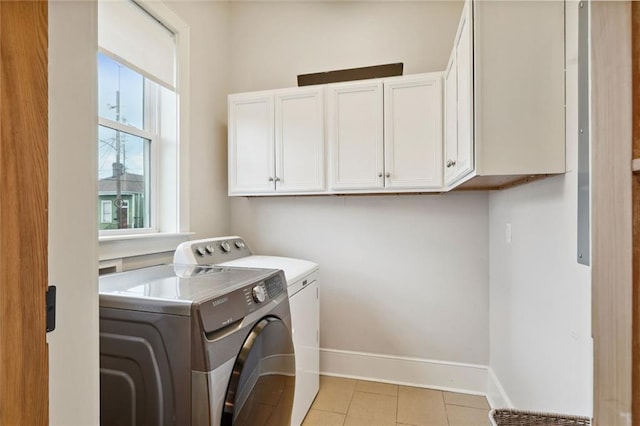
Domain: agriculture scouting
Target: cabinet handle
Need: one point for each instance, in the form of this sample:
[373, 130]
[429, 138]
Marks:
[388, 175]
[271, 179]
[277, 179]
[380, 174]
[451, 163]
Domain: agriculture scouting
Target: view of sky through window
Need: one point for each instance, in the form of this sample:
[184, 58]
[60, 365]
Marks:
[123, 151]
[121, 99]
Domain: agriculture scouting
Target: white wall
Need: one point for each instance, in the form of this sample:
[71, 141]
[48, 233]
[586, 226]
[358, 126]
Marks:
[73, 253]
[400, 275]
[208, 69]
[541, 347]
[273, 42]
[405, 276]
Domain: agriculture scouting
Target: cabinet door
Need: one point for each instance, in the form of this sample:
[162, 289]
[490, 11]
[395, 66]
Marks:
[355, 135]
[251, 146]
[464, 57]
[299, 133]
[413, 132]
[459, 141]
[305, 318]
[450, 119]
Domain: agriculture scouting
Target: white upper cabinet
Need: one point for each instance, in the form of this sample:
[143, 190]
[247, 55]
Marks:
[458, 104]
[413, 132]
[386, 135]
[519, 82]
[276, 142]
[494, 118]
[504, 95]
[355, 127]
[299, 140]
[251, 143]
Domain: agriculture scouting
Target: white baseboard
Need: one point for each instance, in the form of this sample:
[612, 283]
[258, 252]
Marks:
[496, 395]
[426, 373]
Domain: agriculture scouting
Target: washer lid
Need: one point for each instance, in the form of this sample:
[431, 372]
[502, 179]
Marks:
[173, 288]
[294, 269]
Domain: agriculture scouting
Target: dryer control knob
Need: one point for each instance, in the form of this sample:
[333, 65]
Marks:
[225, 246]
[201, 251]
[210, 248]
[259, 293]
[240, 244]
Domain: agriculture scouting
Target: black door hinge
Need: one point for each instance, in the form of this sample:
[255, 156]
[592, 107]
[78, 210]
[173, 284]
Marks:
[51, 308]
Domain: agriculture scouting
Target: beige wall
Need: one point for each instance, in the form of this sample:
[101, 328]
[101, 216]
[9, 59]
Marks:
[209, 70]
[273, 42]
[540, 297]
[401, 275]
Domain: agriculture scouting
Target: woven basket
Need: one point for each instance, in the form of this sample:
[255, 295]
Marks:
[505, 417]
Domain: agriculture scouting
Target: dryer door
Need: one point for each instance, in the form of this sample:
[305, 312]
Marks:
[262, 382]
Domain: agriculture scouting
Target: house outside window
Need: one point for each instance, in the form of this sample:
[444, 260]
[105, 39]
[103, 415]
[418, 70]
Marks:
[138, 107]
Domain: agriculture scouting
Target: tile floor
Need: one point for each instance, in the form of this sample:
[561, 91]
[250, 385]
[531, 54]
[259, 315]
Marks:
[357, 402]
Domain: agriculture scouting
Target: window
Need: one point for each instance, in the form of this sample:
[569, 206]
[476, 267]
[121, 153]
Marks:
[138, 138]
[106, 211]
[125, 144]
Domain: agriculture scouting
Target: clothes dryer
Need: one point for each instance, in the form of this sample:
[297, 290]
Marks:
[304, 300]
[195, 345]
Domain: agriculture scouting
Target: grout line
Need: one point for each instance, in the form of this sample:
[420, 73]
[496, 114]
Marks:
[397, 404]
[444, 403]
[469, 406]
[350, 401]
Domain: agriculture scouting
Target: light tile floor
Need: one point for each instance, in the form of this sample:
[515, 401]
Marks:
[357, 402]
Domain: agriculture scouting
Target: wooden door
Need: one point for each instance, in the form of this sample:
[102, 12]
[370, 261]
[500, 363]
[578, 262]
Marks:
[635, 360]
[355, 135]
[611, 210]
[23, 212]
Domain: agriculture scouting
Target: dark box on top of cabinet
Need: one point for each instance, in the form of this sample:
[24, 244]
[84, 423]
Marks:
[362, 73]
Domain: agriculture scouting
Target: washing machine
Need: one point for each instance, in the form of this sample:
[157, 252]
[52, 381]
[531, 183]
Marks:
[303, 290]
[195, 345]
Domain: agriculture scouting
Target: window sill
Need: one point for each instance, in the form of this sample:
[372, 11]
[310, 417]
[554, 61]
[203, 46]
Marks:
[122, 246]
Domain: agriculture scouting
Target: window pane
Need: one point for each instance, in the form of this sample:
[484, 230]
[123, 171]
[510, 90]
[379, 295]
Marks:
[120, 93]
[123, 179]
[106, 211]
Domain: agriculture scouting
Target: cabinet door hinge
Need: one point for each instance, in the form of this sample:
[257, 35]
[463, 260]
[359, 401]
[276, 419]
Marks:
[51, 308]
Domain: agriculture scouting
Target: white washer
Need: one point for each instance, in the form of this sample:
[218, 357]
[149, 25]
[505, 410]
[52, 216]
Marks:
[302, 287]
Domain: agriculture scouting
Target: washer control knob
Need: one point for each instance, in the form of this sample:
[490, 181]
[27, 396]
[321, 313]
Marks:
[210, 248]
[240, 244]
[225, 246]
[201, 251]
[259, 293]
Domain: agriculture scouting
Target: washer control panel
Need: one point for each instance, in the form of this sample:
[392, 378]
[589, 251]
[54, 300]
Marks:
[228, 308]
[211, 251]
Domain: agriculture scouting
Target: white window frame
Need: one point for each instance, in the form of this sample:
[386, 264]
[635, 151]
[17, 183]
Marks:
[125, 243]
[151, 190]
[106, 205]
